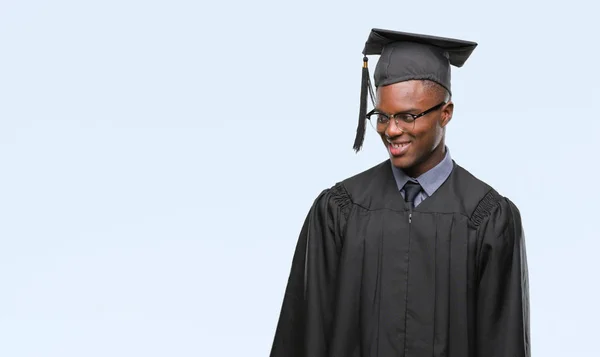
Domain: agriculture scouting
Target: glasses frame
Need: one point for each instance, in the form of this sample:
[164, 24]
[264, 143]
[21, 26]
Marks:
[405, 115]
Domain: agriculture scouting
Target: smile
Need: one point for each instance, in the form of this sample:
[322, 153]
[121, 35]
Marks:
[398, 149]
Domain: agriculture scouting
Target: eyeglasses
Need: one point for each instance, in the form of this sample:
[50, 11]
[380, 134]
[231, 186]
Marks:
[408, 120]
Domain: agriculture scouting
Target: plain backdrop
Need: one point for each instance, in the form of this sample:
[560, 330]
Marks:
[158, 159]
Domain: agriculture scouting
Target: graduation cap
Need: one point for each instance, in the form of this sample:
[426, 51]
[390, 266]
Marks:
[407, 56]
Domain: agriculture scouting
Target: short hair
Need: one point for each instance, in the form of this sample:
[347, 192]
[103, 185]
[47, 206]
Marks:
[437, 90]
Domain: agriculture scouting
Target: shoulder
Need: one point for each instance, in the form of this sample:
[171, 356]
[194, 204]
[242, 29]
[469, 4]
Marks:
[333, 201]
[496, 216]
[495, 213]
[479, 199]
[367, 178]
[369, 187]
[485, 206]
[354, 189]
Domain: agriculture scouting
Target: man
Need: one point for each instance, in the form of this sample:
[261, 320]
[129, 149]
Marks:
[415, 256]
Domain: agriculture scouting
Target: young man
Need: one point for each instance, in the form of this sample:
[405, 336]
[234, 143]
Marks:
[415, 256]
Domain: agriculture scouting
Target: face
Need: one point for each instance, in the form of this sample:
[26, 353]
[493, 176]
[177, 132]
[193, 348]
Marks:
[419, 146]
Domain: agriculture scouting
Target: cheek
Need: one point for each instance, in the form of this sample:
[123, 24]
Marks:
[425, 133]
[427, 137]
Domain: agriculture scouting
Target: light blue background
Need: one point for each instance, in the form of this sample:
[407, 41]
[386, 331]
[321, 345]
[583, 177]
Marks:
[158, 159]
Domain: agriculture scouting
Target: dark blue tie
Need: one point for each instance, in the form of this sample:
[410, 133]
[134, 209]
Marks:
[411, 190]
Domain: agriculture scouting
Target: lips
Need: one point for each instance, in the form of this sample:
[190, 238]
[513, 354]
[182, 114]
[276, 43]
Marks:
[398, 148]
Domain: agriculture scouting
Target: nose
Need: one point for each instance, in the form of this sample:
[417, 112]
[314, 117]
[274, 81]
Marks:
[393, 130]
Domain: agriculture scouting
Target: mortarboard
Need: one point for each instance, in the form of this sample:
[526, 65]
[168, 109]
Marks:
[407, 56]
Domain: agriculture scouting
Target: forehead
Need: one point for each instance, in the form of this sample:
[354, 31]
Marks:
[403, 96]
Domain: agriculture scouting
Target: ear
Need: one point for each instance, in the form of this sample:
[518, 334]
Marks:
[447, 111]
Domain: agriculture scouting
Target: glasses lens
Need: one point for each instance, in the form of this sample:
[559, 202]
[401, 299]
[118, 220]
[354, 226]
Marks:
[373, 121]
[404, 122]
[380, 123]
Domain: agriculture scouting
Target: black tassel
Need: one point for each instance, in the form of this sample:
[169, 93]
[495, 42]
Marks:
[365, 90]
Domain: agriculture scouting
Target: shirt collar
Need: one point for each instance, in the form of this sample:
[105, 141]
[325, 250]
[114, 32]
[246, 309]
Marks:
[430, 180]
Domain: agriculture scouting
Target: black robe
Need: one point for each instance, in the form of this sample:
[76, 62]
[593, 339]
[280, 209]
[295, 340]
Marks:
[372, 278]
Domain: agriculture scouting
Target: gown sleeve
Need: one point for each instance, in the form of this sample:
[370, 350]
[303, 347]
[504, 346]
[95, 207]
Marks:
[305, 321]
[503, 287]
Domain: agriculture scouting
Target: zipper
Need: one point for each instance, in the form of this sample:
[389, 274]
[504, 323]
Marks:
[407, 276]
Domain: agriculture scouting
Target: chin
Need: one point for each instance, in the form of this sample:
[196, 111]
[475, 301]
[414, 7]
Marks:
[402, 162]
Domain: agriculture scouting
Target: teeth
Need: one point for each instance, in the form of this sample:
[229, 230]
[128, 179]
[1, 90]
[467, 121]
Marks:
[398, 145]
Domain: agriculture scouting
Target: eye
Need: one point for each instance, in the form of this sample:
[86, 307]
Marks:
[382, 118]
[407, 118]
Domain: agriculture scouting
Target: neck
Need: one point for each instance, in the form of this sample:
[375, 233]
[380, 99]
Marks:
[429, 162]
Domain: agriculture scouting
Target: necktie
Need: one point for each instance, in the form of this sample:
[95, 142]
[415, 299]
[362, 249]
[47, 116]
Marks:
[411, 190]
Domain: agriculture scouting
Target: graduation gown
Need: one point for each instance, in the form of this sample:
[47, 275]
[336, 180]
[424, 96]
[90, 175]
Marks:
[372, 278]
